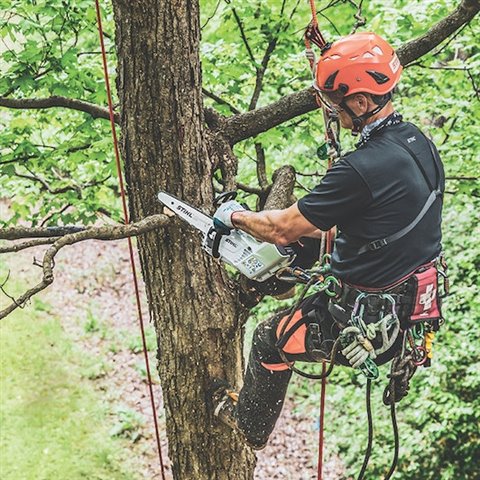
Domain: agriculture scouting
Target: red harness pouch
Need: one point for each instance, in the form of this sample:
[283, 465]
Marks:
[426, 304]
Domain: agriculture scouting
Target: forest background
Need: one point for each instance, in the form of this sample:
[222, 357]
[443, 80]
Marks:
[57, 167]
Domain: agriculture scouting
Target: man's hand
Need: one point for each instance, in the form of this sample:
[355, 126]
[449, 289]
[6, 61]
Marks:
[222, 219]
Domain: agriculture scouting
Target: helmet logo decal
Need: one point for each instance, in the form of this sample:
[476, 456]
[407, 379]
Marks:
[394, 63]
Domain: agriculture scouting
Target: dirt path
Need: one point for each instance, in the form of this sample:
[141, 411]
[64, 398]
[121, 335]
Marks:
[93, 293]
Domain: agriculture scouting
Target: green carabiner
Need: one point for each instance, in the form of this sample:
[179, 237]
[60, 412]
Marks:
[328, 282]
[369, 369]
[418, 331]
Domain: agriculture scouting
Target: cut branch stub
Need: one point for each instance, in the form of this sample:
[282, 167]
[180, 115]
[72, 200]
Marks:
[281, 193]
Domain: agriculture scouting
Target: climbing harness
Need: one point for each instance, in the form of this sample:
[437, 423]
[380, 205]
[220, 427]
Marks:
[371, 323]
[130, 245]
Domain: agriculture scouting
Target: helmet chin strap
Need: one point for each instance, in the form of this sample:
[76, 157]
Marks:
[358, 121]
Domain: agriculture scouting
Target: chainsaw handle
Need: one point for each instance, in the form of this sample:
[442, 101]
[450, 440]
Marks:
[224, 197]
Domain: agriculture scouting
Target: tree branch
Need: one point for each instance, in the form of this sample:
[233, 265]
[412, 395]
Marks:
[281, 193]
[55, 191]
[28, 244]
[17, 233]
[244, 37]
[261, 167]
[360, 19]
[261, 72]
[249, 124]
[107, 232]
[439, 32]
[94, 110]
[220, 101]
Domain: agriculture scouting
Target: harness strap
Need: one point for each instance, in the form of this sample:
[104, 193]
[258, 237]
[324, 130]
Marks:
[380, 243]
[285, 337]
[434, 194]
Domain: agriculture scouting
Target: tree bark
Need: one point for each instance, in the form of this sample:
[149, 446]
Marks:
[195, 311]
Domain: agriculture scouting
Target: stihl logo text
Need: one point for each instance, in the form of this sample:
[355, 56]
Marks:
[184, 210]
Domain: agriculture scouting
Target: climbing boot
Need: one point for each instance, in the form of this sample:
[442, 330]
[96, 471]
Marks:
[224, 403]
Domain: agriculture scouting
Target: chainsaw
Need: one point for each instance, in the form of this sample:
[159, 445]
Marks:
[256, 260]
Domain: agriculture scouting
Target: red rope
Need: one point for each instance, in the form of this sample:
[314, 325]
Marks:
[328, 250]
[322, 417]
[314, 13]
[130, 245]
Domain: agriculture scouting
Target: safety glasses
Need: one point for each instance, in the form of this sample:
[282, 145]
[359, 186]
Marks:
[332, 100]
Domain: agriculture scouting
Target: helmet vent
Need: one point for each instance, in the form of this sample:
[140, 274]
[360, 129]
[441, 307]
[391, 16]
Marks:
[368, 55]
[377, 50]
[330, 81]
[335, 56]
[380, 78]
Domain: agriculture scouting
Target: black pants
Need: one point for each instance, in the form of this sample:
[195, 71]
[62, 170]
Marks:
[266, 380]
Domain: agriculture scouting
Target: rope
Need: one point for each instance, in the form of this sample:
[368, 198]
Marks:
[393, 417]
[322, 417]
[314, 13]
[368, 451]
[126, 219]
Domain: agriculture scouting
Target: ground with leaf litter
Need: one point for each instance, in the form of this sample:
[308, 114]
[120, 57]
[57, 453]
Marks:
[93, 294]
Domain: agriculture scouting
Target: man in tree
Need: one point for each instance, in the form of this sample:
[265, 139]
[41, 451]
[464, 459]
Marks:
[385, 199]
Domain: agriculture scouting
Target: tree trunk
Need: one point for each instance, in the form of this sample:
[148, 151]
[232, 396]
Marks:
[195, 311]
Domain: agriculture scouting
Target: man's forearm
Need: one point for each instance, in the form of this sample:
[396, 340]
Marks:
[280, 227]
[264, 226]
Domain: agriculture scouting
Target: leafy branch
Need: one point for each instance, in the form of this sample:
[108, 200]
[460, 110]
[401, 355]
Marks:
[56, 191]
[44, 236]
[94, 110]
[249, 124]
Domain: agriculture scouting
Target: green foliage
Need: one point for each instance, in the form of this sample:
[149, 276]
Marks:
[50, 47]
[128, 424]
[56, 165]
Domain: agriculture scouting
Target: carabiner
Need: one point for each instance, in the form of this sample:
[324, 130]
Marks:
[328, 282]
[418, 331]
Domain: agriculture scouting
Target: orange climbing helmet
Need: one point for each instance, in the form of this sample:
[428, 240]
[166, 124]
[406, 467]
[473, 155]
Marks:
[361, 62]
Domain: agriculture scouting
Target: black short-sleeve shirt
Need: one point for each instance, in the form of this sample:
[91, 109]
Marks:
[372, 193]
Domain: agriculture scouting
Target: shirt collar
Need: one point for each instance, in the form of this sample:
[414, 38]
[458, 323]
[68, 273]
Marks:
[368, 130]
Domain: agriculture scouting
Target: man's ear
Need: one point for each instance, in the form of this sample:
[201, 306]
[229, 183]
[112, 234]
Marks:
[362, 101]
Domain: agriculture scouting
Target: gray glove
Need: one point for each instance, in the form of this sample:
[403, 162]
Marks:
[222, 219]
[359, 350]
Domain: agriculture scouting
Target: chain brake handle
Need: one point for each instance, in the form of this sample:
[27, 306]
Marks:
[224, 197]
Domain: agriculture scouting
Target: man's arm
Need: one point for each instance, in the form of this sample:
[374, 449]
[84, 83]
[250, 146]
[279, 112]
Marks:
[280, 227]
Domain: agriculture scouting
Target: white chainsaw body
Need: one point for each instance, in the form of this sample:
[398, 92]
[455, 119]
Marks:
[256, 260]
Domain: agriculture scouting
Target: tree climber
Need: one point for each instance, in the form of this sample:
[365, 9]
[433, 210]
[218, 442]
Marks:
[385, 198]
